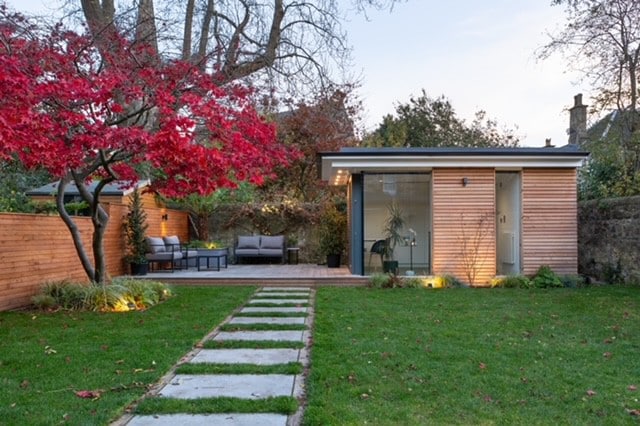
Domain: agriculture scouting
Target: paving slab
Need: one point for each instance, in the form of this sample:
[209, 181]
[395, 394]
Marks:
[280, 335]
[267, 309]
[247, 356]
[267, 320]
[227, 419]
[286, 289]
[247, 386]
[279, 301]
[268, 294]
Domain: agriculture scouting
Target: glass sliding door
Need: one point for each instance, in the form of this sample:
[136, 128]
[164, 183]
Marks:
[411, 193]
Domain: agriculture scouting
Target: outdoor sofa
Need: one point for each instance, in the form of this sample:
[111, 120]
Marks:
[260, 246]
[169, 250]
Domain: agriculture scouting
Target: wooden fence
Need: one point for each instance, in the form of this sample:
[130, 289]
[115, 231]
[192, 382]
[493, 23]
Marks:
[35, 249]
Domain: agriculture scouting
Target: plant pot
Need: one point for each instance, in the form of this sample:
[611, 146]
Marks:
[139, 268]
[390, 266]
[333, 260]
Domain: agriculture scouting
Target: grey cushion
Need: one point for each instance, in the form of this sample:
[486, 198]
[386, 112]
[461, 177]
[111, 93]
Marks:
[247, 252]
[172, 242]
[246, 242]
[271, 252]
[272, 242]
[155, 245]
[163, 257]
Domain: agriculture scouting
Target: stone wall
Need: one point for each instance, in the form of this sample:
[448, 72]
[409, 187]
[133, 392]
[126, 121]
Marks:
[609, 239]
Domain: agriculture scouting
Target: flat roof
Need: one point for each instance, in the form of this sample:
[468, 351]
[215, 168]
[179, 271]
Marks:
[336, 166]
[117, 188]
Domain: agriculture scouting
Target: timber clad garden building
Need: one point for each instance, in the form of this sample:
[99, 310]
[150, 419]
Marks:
[474, 213]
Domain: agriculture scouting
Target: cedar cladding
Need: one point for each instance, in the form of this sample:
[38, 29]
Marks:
[549, 220]
[464, 242]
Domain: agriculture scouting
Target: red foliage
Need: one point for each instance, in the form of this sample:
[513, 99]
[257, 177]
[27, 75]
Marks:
[69, 108]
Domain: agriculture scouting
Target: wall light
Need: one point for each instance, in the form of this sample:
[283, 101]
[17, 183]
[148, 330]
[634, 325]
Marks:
[165, 217]
[465, 181]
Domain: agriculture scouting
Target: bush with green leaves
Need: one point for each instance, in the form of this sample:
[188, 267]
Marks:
[546, 278]
[573, 281]
[450, 281]
[412, 282]
[513, 281]
[123, 294]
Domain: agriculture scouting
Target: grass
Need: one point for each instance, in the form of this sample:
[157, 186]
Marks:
[206, 368]
[46, 357]
[280, 404]
[471, 356]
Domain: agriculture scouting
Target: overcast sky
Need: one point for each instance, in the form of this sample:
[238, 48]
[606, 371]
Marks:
[479, 54]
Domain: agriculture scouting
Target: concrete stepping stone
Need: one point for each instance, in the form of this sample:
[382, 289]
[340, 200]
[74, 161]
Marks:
[267, 294]
[226, 419]
[247, 386]
[279, 301]
[267, 309]
[247, 356]
[280, 335]
[267, 320]
[306, 289]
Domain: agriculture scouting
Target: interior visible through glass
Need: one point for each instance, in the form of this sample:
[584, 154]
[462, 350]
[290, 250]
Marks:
[411, 196]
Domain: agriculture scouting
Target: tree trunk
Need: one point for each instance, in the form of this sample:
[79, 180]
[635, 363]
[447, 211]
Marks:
[188, 31]
[73, 229]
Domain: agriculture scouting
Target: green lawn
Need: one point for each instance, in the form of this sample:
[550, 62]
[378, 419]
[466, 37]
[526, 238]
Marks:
[379, 356]
[46, 358]
[475, 356]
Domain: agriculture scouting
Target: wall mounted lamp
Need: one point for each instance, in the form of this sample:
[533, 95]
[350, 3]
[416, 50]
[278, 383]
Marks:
[165, 217]
[465, 181]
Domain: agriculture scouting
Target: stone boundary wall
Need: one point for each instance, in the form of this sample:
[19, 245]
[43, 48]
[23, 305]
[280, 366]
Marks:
[609, 239]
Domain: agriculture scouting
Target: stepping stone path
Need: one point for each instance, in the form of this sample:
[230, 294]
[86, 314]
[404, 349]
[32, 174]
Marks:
[245, 386]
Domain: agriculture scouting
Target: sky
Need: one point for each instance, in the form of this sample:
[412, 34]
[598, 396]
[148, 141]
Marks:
[481, 55]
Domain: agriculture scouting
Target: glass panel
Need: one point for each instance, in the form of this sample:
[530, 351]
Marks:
[411, 193]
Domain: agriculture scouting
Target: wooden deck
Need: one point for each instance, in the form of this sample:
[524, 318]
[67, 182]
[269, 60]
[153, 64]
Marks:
[281, 275]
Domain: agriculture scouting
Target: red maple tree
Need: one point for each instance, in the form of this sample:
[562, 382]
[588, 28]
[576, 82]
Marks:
[123, 114]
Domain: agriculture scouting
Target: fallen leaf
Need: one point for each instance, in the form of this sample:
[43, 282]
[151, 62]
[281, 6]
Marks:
[364, 396]
[24, 384]
[632, 387]
[591, 392]
[87, 394]
[607, 354]
[634, 412]
[608, 341]
[482, 366]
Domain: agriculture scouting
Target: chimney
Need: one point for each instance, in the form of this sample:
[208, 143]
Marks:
[577, 121]
[547, 143]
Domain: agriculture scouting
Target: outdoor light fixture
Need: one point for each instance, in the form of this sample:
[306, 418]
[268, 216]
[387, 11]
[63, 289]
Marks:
[165, 217]
[465, 181]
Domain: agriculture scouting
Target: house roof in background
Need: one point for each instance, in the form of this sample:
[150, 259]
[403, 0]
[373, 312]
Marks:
[117, 188]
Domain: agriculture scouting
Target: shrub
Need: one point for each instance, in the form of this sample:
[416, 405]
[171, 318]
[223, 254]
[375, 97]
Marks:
[573, 281]
[412, 282]
[513, 281]
[379, 280]
[107, 298]
[44, 302]
[546, 278]
[449, 281]
[124, 294]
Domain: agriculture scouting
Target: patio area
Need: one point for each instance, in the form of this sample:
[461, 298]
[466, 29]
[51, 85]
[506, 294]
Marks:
[262, 274]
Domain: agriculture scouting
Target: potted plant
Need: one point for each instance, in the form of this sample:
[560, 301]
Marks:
[135, 230]
[392, 232]
[333, 235]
